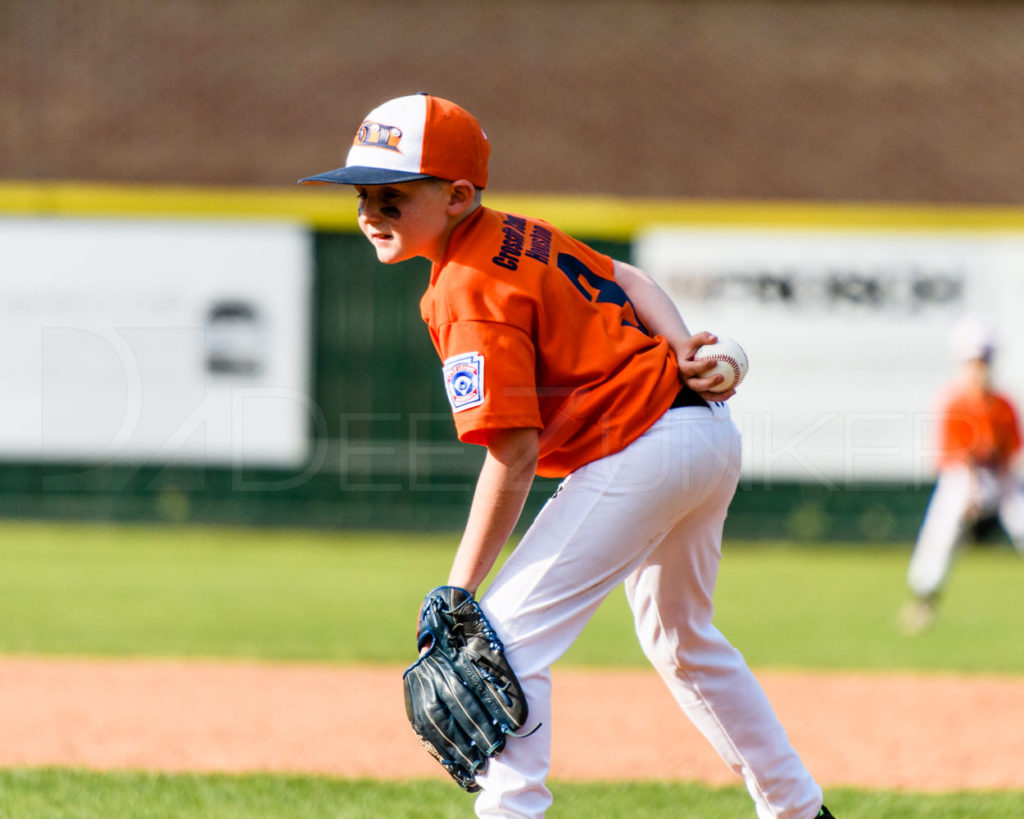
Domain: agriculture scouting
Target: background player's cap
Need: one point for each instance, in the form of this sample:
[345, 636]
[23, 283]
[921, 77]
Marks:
[414, 137]
[972, 338]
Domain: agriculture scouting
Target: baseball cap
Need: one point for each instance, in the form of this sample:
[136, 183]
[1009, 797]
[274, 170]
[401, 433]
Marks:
[414, 137]
[972, 338]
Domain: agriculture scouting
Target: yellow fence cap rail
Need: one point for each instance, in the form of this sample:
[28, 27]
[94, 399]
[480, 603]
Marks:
[333, 207]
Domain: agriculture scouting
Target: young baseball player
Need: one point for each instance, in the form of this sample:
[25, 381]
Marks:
[565, 363]
[978, 439]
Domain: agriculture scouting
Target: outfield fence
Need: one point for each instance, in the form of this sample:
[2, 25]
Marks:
[364, 437]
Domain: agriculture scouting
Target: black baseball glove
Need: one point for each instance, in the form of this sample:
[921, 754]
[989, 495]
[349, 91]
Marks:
[461, 695]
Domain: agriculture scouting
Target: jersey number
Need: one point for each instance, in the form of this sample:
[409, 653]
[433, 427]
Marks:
[599, 289]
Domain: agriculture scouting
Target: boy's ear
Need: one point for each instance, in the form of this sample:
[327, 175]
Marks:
[461, 196]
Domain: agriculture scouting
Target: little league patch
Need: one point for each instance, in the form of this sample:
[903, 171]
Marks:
[464, 380]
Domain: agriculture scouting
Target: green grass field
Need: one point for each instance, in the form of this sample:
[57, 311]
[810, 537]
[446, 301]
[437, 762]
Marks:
[352, 598]
[61, 794]
[349, 598]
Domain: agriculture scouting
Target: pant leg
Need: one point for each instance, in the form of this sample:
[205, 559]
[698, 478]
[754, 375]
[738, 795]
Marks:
[603, 521]
[671, 597]
[1011, 509]
[941, 532]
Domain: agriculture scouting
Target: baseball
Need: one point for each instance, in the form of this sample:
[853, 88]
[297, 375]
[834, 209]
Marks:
[730, 362]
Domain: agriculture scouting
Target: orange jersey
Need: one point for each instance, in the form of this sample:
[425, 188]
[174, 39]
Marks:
[978, 427]
[535, 332]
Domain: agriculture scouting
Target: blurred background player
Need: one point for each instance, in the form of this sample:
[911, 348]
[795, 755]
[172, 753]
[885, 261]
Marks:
[979, 436]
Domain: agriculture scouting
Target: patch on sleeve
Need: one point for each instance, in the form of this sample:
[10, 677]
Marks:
[464, 381]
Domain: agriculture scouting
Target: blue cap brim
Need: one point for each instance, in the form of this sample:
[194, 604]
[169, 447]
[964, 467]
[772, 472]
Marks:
[363, 175]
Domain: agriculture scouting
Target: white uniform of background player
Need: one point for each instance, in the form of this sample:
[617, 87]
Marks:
[980, 435]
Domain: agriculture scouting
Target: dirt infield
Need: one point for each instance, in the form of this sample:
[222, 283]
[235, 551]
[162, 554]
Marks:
[933, 732]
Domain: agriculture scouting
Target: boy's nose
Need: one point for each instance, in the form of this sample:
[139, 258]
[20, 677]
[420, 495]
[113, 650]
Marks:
[369, 212]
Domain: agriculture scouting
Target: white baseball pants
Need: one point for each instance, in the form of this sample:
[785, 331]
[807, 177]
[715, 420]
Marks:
[650, 516]
[946, 519]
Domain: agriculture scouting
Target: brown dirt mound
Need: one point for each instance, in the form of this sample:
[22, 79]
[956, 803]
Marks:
[933, 732]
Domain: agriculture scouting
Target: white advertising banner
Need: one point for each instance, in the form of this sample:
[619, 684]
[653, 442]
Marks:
[847, 335]
[154, 342]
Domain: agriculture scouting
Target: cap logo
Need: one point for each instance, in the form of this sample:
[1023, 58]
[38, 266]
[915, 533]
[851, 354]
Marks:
[376, 135]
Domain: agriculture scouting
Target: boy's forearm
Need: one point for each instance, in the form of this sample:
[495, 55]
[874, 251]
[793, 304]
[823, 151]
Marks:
[657, 311]
[661, 316]
[501, 490]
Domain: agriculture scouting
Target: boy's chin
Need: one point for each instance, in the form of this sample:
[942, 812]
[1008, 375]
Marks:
[391, 252]
[388, 255]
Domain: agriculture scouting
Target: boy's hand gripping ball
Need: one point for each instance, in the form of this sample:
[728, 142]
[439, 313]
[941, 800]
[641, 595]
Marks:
[730, 362]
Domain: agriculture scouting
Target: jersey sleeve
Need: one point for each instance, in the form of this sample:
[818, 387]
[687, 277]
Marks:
[489, 378]
[1010, 433]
